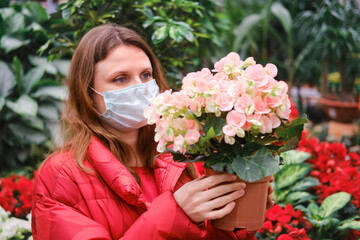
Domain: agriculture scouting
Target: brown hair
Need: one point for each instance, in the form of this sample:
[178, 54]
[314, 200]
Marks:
[81, 120]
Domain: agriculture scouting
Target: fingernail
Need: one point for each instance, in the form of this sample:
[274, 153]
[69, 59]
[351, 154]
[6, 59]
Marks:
[235, 177]
[241, 192]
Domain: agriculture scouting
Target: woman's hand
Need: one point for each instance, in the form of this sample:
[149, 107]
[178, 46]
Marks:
[270, 203]
[204, 199]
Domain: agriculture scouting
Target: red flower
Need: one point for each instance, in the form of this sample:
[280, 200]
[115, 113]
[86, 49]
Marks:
[16, 194]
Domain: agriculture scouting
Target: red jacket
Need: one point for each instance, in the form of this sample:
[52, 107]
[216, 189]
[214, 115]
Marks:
[70, 204]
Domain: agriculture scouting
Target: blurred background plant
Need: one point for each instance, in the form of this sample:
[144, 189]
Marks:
[30, 88]
[177, 30]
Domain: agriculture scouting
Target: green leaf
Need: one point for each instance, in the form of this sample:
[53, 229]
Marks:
[10, 43]
[160, 34]
[174, 33]
[56, 92]
[66, 13]
[214, 122]
[62, 66]
[31, 78]
[209, 135]
[290, 174]
[294, 156]
[48, 111]
[333, 203]
[15, 24]
[7, 80]
[38, 13]
[283, 15]
[313, 210]
[244, 29]
[355, 225]
[43, 63]
[27, 135]
[19, 72]
[291, 129]
[298, 197]
[2, 102]
[162, 12]
[34, 122]
[255, 167]
[304, 184]
[186, 32]
[24, 106]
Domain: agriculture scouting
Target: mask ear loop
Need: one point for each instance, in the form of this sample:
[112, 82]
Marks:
[95, 91]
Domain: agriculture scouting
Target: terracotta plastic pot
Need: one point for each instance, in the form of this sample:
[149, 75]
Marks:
[340, 111]
[249, 211]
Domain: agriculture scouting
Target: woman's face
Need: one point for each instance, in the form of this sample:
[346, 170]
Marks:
[124, 66]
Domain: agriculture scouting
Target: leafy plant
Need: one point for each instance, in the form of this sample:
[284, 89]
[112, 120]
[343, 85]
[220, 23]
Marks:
[333, 31]
[30, 104]
[22, 30]
[333, 218]
[292, 181]
[175, 30]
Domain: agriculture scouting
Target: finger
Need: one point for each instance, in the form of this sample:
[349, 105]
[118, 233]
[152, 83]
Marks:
[270, 205]
[271, 190]
[223, 189]
[223, 200]
[272, 179]
[214, 180]
[219, 213]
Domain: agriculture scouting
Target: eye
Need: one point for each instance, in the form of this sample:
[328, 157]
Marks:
[146, 75]
[120, 79]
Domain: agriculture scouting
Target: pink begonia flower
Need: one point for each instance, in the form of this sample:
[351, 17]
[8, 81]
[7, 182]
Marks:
[249, 61]
[273, 102]
[192, 136]
[192, 124]
[236, 89]
[275, 121]
[211, 106]
[195, 105]
[151, 115]
[161, 147]
[283, 111]
[229, 63]
[261, 107]
[235, 119]
[229, 130]
[257, 74]
[266, 124]
[271, 69]
[271, 83]
[279, 89]
[242, 103]
[178, 143]
[179, 100]
[229, 140]
[224, 101]
[180, 124]
[252, 121]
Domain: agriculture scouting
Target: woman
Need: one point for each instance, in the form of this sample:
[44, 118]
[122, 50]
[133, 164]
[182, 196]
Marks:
[102, 183]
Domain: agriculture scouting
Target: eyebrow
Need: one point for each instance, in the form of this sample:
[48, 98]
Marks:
[116, 73]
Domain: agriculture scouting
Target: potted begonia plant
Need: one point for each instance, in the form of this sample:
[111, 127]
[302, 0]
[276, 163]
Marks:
[235, 119]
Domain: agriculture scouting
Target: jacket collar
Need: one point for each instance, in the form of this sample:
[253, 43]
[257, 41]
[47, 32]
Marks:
[119, 179]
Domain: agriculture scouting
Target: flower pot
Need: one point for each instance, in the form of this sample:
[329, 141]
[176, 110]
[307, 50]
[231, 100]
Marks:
[340, 111]
[249, 211]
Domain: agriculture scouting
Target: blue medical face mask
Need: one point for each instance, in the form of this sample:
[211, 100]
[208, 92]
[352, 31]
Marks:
[125, 107]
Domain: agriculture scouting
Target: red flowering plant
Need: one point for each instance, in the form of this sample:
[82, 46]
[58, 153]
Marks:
[284, 223]
[329, 181]
[16, 195]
